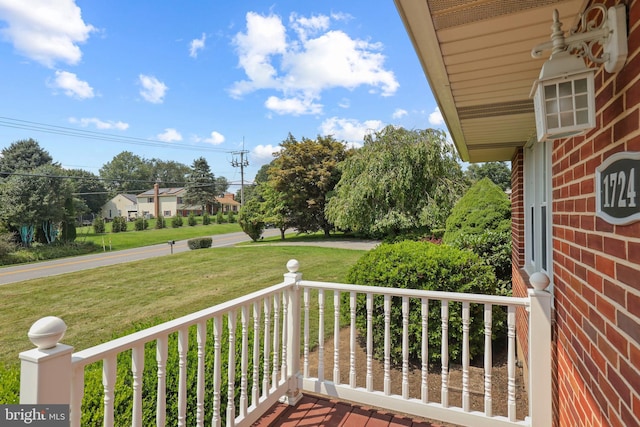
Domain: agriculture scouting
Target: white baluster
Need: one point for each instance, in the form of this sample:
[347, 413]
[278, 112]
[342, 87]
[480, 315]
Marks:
[255, 389]
[369, 342]
[202, 341]
[285, 332]
[109, 371]
[162, 348]
[217, 367]
[387, 345]
[465, 356]
[405, 347]
[444, 353]
[276, 340]
[424, 371]
[231, 369]
[336, 337]
[352, 340]
[77, 393]
[305, 367]
[267, 348]
[183, 347]
[488, 362]
[321, 335]
[244, 362]
[137, 369]
[511, 363]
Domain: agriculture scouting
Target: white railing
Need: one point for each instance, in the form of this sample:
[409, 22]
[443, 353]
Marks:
[265, 328]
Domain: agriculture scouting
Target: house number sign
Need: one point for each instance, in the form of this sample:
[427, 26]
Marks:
[617, 187]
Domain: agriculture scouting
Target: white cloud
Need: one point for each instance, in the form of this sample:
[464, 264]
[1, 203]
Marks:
[153, 90]
[169, 135]
[399, 113]
[71, 85]
[435, 118]
[215, 138]
[350, 130]
[293, 106]
[301, 67]
[262, 154]
[44, 30]
[99, 124]
[197, 45]
[344, 103]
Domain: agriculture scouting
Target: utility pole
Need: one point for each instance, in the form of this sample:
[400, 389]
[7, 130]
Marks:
[241, 164]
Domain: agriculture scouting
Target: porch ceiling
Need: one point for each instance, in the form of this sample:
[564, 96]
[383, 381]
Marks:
[476, 55]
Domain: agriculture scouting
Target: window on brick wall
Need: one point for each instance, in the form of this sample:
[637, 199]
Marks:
[537, 196]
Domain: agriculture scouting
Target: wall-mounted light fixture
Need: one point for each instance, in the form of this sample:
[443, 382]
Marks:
[564, 95]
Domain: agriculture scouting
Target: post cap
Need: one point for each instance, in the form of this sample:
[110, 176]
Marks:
[539, 281]
[293, 265]
[47, 332]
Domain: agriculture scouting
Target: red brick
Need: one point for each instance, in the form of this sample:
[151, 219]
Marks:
[605, 265]
[628, 326]
[633, 304]
[634, 252]
[608, 351]
[600, 142]
[628, 275]
[606, 309]
[633, 144]
[631, 230]
[620, 385]
[615, 292]
[604, 226]
[617, 340]
[615, 247]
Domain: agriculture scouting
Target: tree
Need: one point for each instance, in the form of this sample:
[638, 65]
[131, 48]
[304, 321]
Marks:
[498, 172]
[251, 219]
[262, 176]
[169, 173]
[400, 181]
[274, 208]
[23, 155]
[127, 173]
[36, 200]
[306, 172]
[89, 189]
[201, 185]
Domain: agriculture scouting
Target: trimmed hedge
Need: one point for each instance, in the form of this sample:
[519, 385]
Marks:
[200, 243]
[423, 265]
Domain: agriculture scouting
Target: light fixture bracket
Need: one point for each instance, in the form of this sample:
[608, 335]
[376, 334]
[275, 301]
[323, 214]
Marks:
[598, 25]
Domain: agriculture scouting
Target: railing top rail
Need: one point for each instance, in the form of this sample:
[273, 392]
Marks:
[417, 293]
[118, 345]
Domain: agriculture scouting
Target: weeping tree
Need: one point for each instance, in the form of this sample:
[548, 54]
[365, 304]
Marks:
[401, 181]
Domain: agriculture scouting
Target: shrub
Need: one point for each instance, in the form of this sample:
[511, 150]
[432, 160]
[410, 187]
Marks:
[200, 243]
[7, 244]
[176, 221]
[191, 220]
[251, 219]
[119, 224]
[98, 225]
[481, 222]
[160, 222]
[423, 265]
[231, 217]
[141, 224]
[206, 219]
[220, 217]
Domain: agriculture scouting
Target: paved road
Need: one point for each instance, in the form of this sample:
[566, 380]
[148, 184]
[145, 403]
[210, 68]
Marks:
[68, 265]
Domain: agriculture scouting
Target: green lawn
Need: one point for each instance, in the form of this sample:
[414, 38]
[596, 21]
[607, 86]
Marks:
[100, 303]
[151, 236]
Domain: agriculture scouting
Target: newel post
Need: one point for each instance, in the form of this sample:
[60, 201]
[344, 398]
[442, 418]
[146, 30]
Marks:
[540, 387]
[45, 371]
[293, 395]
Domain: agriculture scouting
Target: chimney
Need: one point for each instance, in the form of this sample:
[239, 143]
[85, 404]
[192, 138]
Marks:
[156, 200]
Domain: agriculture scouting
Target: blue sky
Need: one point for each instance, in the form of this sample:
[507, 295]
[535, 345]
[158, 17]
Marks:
[177, 80]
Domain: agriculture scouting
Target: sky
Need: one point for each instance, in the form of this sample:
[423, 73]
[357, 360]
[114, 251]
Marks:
[178, 80]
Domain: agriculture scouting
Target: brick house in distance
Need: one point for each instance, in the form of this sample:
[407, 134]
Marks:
[575, 195]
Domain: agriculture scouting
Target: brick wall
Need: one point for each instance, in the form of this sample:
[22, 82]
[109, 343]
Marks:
[596, 265]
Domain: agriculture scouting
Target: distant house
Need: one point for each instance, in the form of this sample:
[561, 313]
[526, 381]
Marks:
[169, 202]
[228, 203]
[120, 205]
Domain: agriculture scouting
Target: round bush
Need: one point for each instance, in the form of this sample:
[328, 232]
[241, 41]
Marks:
[206, 219]
[140, 224]
[98, 225]
[200, 243]
[191, 220]
[176, 221]
[427, 266]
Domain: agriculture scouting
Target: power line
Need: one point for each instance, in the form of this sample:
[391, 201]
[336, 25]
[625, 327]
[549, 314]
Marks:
[100, 136]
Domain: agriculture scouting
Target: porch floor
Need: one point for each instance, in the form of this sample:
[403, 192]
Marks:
[320, 411]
